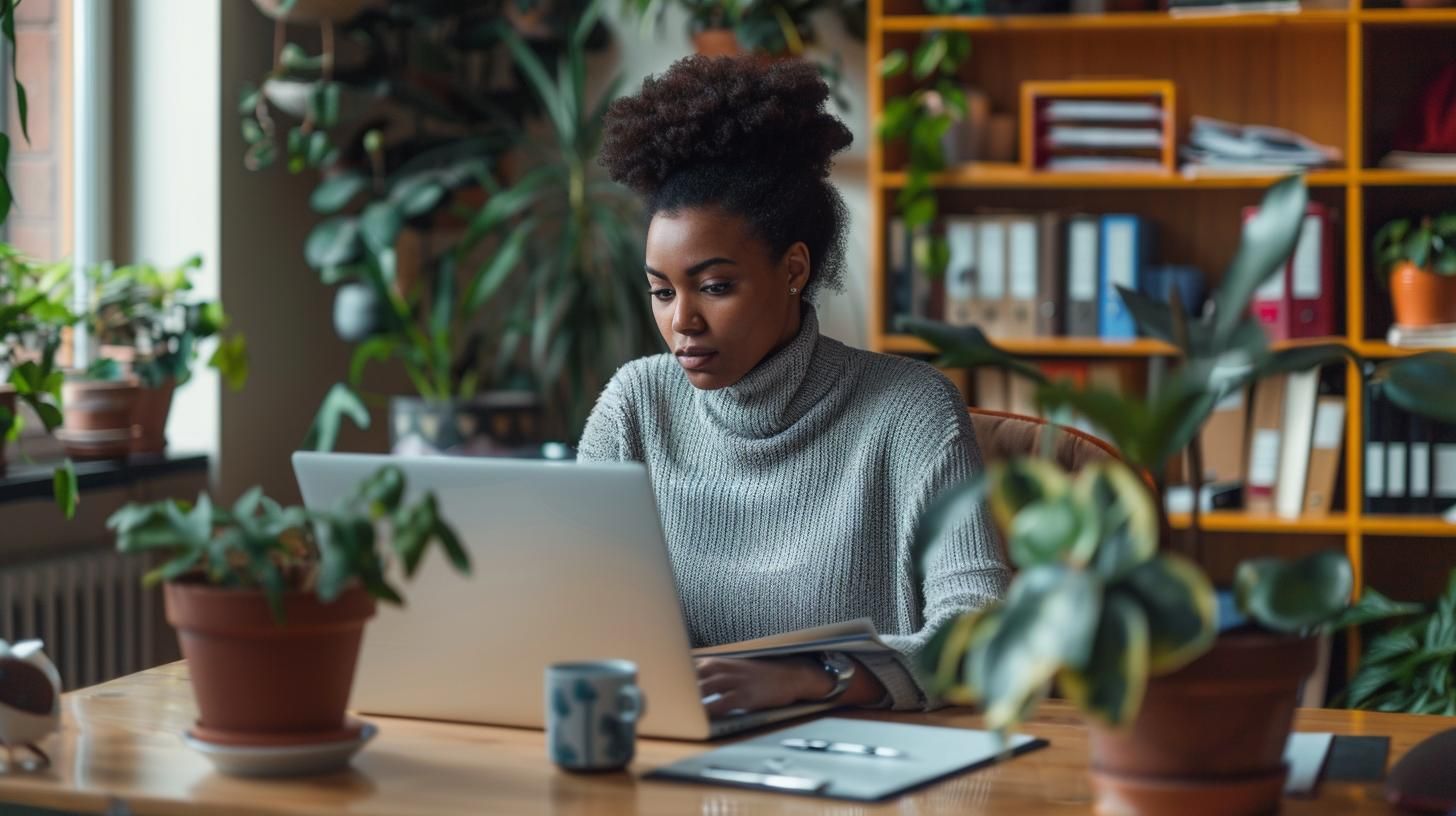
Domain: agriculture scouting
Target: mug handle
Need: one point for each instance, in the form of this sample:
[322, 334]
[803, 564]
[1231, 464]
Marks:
[638, 704]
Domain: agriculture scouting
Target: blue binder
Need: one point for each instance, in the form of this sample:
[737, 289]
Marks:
[1126, 243]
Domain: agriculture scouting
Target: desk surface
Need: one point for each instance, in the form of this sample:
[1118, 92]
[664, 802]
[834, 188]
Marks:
[121, 740]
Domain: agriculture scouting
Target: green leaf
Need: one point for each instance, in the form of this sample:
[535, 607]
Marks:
[230, 360]
[896, 119]
[1373, 606]
[22, 106]
[1304, 358]
[380, 347]
[1423, 384]
[66, 489]
[416, 199]
[1298, 596]
[1019, 483]
[894, 63]
[380, 225]
[1111, 687]
[928, 56]
[552, 101]
[1418, 246]
[1181, 607]
[506, 204]
[1049, 531]
[341, 402]
[1048, 623]
[383, 490]
[1115, 496]
[7, 196]
[1153, 317]
[50, 416]
[966, 347]
[498, 269]
[1267, 241]
[334, 242]
[335, 192]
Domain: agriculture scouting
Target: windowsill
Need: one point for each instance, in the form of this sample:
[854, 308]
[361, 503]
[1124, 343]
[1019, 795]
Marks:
[24, 480]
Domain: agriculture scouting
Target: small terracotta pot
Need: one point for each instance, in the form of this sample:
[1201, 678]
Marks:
[149, 418]
[8, 402]
[1422, 298]
[98, 418]
[717, 42]
[262, 682]
[1209, 738]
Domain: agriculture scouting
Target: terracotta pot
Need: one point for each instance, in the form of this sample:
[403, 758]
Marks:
[8, 402]
[1209, 738]
[261, 682]
[312, 11]
[1422, 298]
[717, 42]
[98, 418]
[149, 417]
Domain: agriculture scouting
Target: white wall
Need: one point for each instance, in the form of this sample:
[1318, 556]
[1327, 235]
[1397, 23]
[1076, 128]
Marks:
[166, 199]
[639, 54]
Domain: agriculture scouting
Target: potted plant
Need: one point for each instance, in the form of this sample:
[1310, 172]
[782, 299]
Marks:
[33, 317]
[403, 178]
[560, 334]
[1418, 261]
[270, 603]
[1097, 609]
[145, 320]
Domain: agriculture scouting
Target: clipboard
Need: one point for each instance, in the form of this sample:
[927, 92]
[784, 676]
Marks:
[840, 758]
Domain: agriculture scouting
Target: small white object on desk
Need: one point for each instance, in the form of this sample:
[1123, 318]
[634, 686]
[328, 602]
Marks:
[1305, 754]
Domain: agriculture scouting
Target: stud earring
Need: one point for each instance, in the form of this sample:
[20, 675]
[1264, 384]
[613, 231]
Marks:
[793, 291]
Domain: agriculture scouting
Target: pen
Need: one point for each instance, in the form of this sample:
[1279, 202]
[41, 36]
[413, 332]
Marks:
[801, 744]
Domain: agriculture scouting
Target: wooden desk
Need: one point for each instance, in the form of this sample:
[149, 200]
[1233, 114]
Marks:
[120, 740]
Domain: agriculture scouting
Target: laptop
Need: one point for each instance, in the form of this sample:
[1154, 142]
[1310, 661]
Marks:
[568, 562]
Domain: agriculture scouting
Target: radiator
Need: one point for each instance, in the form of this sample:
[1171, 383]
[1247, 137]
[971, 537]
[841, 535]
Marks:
[96, 619]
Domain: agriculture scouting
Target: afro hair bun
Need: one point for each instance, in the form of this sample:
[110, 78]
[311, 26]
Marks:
[722, 111]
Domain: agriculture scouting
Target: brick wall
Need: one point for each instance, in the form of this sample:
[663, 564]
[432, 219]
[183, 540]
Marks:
[39, 223]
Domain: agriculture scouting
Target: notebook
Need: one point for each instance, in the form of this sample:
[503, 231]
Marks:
[839, 758]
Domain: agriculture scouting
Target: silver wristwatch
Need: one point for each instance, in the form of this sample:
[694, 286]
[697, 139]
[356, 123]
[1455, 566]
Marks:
[839, 667]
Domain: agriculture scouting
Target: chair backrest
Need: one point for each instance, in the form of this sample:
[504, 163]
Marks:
[1002, 435]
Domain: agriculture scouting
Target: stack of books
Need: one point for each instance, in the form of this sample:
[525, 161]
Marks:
[1217, 147]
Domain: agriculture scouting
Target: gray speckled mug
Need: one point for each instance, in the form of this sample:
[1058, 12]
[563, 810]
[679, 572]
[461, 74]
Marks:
[592, 709]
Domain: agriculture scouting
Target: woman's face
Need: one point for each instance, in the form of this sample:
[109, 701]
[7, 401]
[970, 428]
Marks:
[721, 301]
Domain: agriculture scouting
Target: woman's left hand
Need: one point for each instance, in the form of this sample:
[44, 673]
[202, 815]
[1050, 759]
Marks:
[735, 684]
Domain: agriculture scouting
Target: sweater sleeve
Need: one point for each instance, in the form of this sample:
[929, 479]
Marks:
[967, 573]
[609, 432]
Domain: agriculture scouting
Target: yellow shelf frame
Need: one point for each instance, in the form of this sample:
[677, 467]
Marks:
[1353, 524]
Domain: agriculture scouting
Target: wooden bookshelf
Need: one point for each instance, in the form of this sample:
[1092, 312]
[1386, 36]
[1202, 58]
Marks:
[1308, 72]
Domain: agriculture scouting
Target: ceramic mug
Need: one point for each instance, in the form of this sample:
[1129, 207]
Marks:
[592, 709]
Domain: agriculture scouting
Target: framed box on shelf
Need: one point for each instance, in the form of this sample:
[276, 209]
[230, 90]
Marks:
[1099, 126]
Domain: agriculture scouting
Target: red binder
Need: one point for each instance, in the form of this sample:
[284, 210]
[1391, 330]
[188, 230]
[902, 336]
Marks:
[1300, 302]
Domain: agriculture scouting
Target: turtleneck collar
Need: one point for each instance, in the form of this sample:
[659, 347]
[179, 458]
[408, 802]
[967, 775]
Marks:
[781, 388]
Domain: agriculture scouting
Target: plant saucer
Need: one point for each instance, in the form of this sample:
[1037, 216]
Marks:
[282, 760]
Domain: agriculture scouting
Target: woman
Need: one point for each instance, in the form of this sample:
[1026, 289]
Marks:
[789, 469]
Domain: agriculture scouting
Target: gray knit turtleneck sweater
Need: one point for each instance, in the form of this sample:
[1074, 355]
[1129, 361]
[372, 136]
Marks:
[790, 498]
